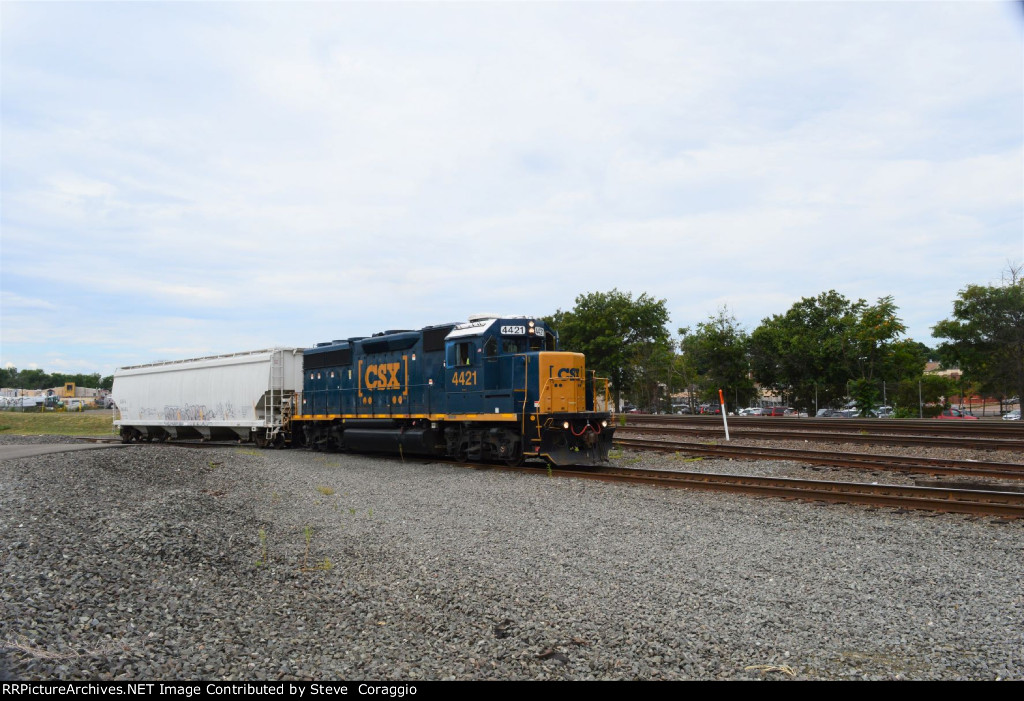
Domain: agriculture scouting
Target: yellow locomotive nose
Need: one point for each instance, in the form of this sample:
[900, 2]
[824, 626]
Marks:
[562, 382]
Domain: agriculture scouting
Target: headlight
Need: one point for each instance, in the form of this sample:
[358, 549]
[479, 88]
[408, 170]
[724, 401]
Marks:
[565, 425]
[604, 424]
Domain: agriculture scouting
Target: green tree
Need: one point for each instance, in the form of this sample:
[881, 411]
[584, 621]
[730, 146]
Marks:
[824, 343]
[924, 396]
[624, 339]
[986, 334]
[715, 353]
[906, 360]
[40, 379]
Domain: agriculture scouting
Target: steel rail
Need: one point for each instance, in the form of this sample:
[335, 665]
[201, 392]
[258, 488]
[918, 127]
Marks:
[982, 428]
[896, 463]
[944, 499]
[1015, 443]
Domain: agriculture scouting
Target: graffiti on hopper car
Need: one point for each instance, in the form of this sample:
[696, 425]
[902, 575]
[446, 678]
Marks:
[199, 413]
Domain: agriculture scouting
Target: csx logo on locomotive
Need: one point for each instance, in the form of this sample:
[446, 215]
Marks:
[571, 373]
[382, 376]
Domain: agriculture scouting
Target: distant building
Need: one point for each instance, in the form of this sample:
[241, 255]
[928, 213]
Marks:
[935, 368]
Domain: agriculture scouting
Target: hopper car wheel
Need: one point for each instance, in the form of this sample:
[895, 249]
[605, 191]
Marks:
[260, 440]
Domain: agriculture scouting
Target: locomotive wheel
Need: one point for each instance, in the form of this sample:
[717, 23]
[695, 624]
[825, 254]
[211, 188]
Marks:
[515, 457]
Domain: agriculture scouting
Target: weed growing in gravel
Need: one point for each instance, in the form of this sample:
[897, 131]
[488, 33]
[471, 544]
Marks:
[322, 566]
[326, 491]
[621, 455]
[308, 531]
[325, 565]
[263, 549]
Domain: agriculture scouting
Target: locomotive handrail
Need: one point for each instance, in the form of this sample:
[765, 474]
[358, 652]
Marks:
[525, 390]
[607, 390]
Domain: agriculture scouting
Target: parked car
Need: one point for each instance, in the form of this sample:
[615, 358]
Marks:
[1012, 415]
[773, 411]
[956, 415]
[751, 411]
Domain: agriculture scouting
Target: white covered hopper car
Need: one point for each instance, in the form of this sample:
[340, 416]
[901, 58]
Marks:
[244, 396]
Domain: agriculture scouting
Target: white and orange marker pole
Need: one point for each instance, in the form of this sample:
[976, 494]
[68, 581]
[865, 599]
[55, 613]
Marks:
[725, 421]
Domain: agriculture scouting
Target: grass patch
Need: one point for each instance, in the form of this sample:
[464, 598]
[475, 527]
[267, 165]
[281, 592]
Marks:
[326, 491]
[682, 457]
[56, 423]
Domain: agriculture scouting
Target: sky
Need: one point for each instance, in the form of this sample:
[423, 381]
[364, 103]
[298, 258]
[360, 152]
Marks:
[187, 178]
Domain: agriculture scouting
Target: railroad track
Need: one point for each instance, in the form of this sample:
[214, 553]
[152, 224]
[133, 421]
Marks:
[943, 499]
[919, 427]
[921, 465]
[786, 430]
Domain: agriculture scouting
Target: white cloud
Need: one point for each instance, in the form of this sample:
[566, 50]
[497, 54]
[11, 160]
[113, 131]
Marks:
[282, 175]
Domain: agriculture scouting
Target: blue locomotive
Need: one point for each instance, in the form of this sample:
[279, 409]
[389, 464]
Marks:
[490, 389]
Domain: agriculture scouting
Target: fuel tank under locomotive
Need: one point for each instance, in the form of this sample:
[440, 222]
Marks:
[412, 441]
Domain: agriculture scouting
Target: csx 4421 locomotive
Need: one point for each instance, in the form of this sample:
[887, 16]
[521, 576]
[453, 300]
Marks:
[490, 389]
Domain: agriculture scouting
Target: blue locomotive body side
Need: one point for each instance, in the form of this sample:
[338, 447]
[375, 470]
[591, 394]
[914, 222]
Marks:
[494, 388]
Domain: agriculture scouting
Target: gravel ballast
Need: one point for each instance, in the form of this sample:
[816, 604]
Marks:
[170, 563]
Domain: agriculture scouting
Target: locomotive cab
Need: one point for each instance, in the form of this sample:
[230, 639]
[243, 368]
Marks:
[510, 370]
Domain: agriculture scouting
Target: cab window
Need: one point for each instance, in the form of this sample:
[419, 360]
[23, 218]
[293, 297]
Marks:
[491, 347]
[463, 353]
[512, 345]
